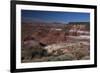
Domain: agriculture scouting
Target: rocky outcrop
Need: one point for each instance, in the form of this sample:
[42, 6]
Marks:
[52, 42]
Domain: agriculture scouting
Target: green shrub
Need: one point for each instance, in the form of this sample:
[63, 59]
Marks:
[85, 58]
[79, 53]
[62, 57]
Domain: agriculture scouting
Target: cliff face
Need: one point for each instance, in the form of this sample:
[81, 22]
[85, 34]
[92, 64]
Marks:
[53, 34]
[52, 42]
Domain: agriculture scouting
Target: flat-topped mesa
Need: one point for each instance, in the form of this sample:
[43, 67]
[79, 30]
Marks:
[79, 23]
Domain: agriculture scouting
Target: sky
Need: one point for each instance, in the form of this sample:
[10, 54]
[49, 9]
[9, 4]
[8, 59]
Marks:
[52, 16]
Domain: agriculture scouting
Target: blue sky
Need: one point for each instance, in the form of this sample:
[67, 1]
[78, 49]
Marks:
[50, 16]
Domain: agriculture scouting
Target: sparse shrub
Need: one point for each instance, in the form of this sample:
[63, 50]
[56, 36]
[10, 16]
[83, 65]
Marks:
[62, 57]
[56, 52]
[85, 58]
[33, 52]
[52, 58]
[59, 52]
[79, 53]
[66, 57]
[38, 51]
[25, 55]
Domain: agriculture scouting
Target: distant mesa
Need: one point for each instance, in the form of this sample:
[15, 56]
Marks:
[54, 23]
[79, 23]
